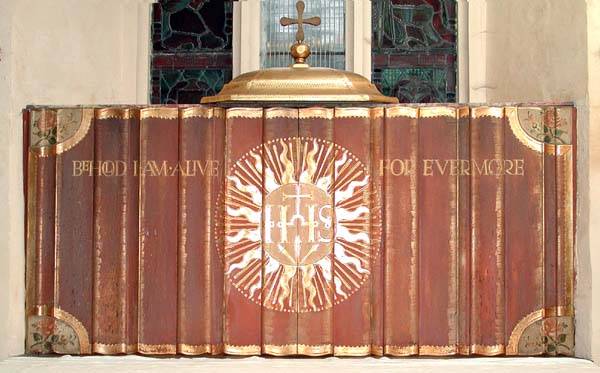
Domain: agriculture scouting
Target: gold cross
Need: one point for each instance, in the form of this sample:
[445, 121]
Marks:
[300, 21]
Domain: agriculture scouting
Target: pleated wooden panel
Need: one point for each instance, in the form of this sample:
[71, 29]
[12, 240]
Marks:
[349, 231]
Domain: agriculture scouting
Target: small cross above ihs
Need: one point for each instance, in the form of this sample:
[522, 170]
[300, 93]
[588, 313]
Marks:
[300, 21]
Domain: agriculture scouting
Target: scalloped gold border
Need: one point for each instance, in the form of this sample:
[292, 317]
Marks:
[352, 350]
[438, 350]
[288, 113]
[352, 112]
[116, 113]
[517, 130]
[73, 322]
[487, 350]
[315, 113]
[244, 112]
[159, 113]
[401, 111]
[197, 112]
[434, 111]
[114, 348]
[315, 350]
[157, 349]
[202, 349]
[243, 350]
[487, 111]
[401, 350]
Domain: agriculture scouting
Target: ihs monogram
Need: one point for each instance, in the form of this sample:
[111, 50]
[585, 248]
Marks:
[298, 228]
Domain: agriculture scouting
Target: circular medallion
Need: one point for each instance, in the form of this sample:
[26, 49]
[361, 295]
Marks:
[298, 226]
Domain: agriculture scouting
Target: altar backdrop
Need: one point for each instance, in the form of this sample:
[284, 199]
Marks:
[386, 230]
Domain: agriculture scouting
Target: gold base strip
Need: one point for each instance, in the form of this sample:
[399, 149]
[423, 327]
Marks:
[487, 350]
[202, 349]
[315, 350]
[437, 350]
[158, 349]
[401, 350]
[241, 350]
[114, 348]
[280, 350]
[364, 350]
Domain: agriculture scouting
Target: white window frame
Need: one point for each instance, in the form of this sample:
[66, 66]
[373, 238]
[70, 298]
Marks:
[246, 36]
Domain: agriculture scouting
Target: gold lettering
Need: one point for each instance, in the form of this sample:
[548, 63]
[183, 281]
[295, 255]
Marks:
[465, 167]
[440, 168]
[519, 167]
[428, 167]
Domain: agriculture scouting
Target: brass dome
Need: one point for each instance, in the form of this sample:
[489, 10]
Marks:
[300, 83]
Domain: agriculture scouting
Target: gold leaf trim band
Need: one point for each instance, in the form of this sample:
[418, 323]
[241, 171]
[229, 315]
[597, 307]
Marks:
[250, 113]
[160, 113]
[432, 112]
[114, 348]
[315, 113]
[73, 322]
[401, 350]
[157, 349]
[202, 349]
[352, 350]
[241, 350]
[315, 350]
[437, 350]
[487, 350]
[352, 112]
[197, 112]
[485, 111]
[401, 111]
[116, 113]
[288, 113]
[280, 350]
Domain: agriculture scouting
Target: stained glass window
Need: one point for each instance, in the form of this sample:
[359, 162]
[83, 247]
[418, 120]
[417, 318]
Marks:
[327, 41]
[191, 49]
[414, 49]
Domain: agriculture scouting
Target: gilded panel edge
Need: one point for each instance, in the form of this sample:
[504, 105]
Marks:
[288, 113]
[241, 112]
[197, 112]
[487, 350]
[401, 350]
[201, 349]
[280, 350]
[401, 111]
[243, 350]
[352, 112]
[438, 350]
[487, 111]
[116, 113]
[157, 349]
[315, 350]
[114, 348]
[159, 113]
[432, 112]
[315, 113]
[363, 350]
